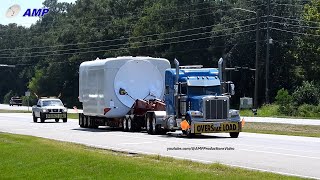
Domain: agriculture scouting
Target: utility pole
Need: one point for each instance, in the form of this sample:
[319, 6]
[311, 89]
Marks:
[268, 55]
[256, 78]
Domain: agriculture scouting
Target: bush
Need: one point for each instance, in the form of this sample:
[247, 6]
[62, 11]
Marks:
[32, 100]
[308, 93]
[308, 110]
[284, 100]
[7, 97]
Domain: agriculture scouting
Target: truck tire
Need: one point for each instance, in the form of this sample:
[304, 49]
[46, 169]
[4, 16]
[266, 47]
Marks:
[65, 120]
[125, 124]
[188, 132]
[153, 128]
[234, 134]
[35, 119]
[57, 120]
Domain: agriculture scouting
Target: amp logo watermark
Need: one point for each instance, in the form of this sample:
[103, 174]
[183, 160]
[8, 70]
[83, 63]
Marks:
[14, 10]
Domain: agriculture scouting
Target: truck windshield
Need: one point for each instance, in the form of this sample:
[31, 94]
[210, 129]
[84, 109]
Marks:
[200, 90]
[52, 103]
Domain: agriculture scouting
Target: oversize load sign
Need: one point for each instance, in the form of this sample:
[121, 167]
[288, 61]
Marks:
[216, 127]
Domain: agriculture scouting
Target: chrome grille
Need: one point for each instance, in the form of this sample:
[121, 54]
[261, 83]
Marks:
[216, 109]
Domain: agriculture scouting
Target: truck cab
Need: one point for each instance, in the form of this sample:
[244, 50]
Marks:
[197, 102]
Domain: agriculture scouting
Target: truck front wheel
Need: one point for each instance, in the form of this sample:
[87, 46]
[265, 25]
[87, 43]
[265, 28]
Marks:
[234, 134]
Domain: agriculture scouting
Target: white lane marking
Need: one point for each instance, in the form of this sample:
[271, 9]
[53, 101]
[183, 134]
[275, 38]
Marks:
[136, 143]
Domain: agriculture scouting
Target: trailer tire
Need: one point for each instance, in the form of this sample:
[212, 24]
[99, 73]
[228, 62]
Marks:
[234, 134]
[57, 120]
[85, 121]
[125, 124]
[81, 117]
[149, 125]
[130, 124]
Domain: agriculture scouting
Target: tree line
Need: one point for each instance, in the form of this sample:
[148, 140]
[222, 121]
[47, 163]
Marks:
[47, 54]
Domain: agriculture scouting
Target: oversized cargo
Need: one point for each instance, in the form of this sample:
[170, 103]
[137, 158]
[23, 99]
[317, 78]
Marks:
[102, 84]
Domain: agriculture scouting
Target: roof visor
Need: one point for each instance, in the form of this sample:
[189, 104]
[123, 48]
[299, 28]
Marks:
[203, 81]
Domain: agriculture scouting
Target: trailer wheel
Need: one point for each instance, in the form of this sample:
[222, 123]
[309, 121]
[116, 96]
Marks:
[85, 121]
[35, 119]
[149, 124]
[81, 123]
[57, 120]
[125, 124]
[234, 134]
[130, 125]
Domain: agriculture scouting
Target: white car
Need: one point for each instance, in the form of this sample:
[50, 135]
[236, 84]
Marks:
[49, 108]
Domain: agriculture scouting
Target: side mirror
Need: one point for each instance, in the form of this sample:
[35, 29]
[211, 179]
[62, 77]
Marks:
[38, 105]
[232, 87]
[65, 104]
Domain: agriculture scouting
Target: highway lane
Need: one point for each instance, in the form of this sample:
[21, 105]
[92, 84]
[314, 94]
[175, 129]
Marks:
[247, 119]
[289, 155]
[25, 108]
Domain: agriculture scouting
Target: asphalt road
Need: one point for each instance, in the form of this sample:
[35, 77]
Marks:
[289, 155]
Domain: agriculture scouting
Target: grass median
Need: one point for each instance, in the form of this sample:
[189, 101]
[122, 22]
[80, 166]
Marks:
[282, 129]
[25, 157]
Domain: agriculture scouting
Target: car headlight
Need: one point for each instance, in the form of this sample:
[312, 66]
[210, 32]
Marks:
[44, 110]
[64, 110]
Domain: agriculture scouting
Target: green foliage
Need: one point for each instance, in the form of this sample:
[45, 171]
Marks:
[32, 100]
[308, 93]
[7, 97]
[308, 110]
[193, 31]
[284, 100]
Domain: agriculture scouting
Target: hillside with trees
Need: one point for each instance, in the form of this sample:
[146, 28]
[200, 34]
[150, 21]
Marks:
[47, 54]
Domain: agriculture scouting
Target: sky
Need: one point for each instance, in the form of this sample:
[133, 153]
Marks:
[24, 4]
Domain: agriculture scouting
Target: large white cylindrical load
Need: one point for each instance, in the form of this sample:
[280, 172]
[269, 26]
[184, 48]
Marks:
[110, 86]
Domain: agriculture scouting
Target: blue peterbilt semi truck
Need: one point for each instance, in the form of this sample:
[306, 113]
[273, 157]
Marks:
[138, 93]
[196, 102]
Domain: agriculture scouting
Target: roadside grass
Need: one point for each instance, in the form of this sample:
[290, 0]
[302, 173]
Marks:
[271, 110]
[264, 111]
[282, 129]
[73, 115]
[26, 157]
[13, 111]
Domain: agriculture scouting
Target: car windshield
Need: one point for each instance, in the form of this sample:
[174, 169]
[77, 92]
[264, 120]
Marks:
[52, 103]
[200, 90]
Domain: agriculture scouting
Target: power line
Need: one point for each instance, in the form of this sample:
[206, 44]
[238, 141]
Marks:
[290, 19]
[169, 38]
[129, 38]
[298, 26]
[306, 34]
[176, 42]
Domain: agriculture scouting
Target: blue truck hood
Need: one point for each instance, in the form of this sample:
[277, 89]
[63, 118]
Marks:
[196, 102]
